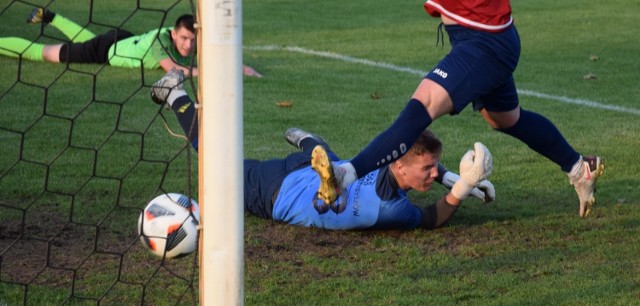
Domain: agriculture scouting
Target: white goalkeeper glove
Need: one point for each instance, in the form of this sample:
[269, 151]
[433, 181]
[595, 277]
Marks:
[484, 191]
[475, 166]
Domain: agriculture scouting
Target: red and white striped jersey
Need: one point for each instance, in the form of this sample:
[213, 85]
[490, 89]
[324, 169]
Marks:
[483, 15]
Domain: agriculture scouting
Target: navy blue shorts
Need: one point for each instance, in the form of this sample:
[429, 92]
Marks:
[262, 179]
[479, 69]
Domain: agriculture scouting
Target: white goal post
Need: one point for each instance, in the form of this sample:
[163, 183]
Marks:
[220, 152]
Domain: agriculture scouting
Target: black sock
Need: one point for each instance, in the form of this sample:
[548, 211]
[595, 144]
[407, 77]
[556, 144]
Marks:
[48, 16]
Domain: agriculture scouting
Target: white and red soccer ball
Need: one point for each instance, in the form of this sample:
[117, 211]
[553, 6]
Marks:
[168, 225]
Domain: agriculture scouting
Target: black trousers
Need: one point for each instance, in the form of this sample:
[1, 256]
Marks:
[93, 51]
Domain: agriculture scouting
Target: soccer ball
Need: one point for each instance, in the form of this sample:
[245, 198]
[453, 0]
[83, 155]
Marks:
[168, 226]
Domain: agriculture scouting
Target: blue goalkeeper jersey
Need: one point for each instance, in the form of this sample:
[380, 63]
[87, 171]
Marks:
[372, 202]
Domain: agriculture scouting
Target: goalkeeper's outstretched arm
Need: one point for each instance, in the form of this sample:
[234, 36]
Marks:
[475, 167]
[440, 212]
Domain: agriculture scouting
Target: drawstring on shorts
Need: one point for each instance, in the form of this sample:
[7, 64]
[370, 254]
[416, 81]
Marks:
[440, 35]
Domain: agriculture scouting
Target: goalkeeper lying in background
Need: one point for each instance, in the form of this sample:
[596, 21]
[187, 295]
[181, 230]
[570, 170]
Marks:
[286, 189]
[166, 48]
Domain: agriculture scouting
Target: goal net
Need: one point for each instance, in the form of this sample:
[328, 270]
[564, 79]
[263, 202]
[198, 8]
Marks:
[83, 150]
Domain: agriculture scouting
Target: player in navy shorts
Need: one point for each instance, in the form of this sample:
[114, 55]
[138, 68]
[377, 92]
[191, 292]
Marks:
[470, 69]
[485, 49]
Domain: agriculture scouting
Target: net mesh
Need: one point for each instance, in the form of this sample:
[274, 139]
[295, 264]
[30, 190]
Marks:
[83, 149]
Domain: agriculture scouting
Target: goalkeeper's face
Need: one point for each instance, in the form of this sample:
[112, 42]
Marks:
[417, 172]
[183, 40]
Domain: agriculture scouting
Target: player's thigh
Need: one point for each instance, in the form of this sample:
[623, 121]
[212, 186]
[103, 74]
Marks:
[434, 97]
[469, 73]
[500, 107]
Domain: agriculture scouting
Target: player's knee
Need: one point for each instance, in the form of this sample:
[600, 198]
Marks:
[51, 53]
[501, 120]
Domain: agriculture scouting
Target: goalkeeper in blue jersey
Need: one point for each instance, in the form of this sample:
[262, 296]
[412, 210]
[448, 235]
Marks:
[166, 48]
[286, 189]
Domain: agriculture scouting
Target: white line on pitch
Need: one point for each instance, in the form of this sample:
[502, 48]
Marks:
[392, 67]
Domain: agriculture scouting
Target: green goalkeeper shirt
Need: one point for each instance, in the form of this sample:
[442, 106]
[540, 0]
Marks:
[147, 50]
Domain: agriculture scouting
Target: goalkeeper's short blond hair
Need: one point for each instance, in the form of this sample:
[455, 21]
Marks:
[427, 142]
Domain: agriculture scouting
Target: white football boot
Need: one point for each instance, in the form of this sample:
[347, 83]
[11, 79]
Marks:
[592, 167]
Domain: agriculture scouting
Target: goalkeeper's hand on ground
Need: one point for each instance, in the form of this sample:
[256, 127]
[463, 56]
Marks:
[484, 191]
[475, 167]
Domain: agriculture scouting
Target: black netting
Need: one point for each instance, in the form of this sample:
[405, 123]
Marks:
[82, 150]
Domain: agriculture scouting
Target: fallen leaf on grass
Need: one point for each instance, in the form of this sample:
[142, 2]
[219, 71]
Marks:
[375, 96]
[284, 104]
